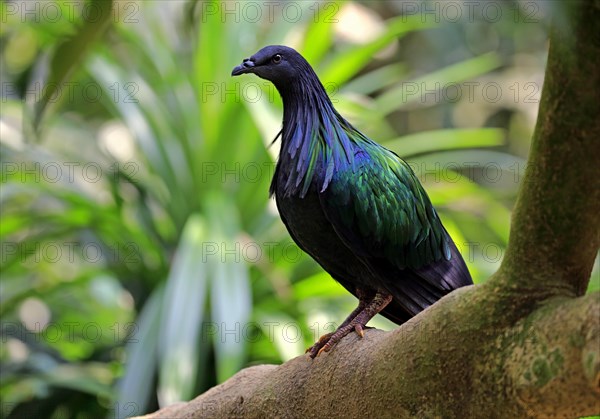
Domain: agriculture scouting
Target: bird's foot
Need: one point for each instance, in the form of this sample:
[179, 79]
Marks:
[358, 324]
[329, 340]
[314, 350]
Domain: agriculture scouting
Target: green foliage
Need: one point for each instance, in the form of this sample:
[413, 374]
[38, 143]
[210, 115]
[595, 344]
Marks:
[70, 52]
[165, 175]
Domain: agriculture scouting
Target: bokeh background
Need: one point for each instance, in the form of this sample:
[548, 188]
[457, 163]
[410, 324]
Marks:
[142, 259]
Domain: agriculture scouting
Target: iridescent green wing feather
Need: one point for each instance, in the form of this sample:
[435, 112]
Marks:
[380, 210]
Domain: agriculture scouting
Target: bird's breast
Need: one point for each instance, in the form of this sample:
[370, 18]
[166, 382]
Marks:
[306, 222]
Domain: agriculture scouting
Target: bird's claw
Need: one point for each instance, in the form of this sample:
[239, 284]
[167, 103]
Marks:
[315, 350]
[358, 328]
[325, 342]
[325, 348]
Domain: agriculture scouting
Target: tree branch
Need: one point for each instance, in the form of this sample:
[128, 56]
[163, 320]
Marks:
[431, 367]
[560, 340]
[555, 229]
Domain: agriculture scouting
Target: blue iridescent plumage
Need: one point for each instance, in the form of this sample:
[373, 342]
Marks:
[354, 206]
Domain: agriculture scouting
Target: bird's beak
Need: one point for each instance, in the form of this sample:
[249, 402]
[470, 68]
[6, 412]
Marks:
[245, 67]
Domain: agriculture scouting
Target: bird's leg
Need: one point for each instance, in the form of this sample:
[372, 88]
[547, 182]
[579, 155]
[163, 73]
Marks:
[357, 323]
[364, 298]
[323, 339]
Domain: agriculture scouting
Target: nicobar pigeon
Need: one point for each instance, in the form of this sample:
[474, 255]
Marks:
[356, 207]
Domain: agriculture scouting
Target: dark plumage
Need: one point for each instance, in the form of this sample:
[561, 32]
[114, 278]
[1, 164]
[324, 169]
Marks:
[354, 206]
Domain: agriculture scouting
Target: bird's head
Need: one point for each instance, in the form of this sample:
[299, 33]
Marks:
[277, 63]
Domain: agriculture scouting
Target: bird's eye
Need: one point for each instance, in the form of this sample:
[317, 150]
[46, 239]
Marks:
[276, 58]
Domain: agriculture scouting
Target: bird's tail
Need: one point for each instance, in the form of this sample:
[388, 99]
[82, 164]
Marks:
[420, 288]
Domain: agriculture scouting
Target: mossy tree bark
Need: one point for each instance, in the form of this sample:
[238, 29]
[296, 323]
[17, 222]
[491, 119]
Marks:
[524, 343]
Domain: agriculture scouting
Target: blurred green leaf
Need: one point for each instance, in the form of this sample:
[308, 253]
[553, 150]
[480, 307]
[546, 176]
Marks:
[182, 315]
[414, 90]
[69, 55]
[87, 378]
[447, 139]
[346, 64]
[231, 302]
[377, 79]
[318, 37]
[141, 358]
[320, 284]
